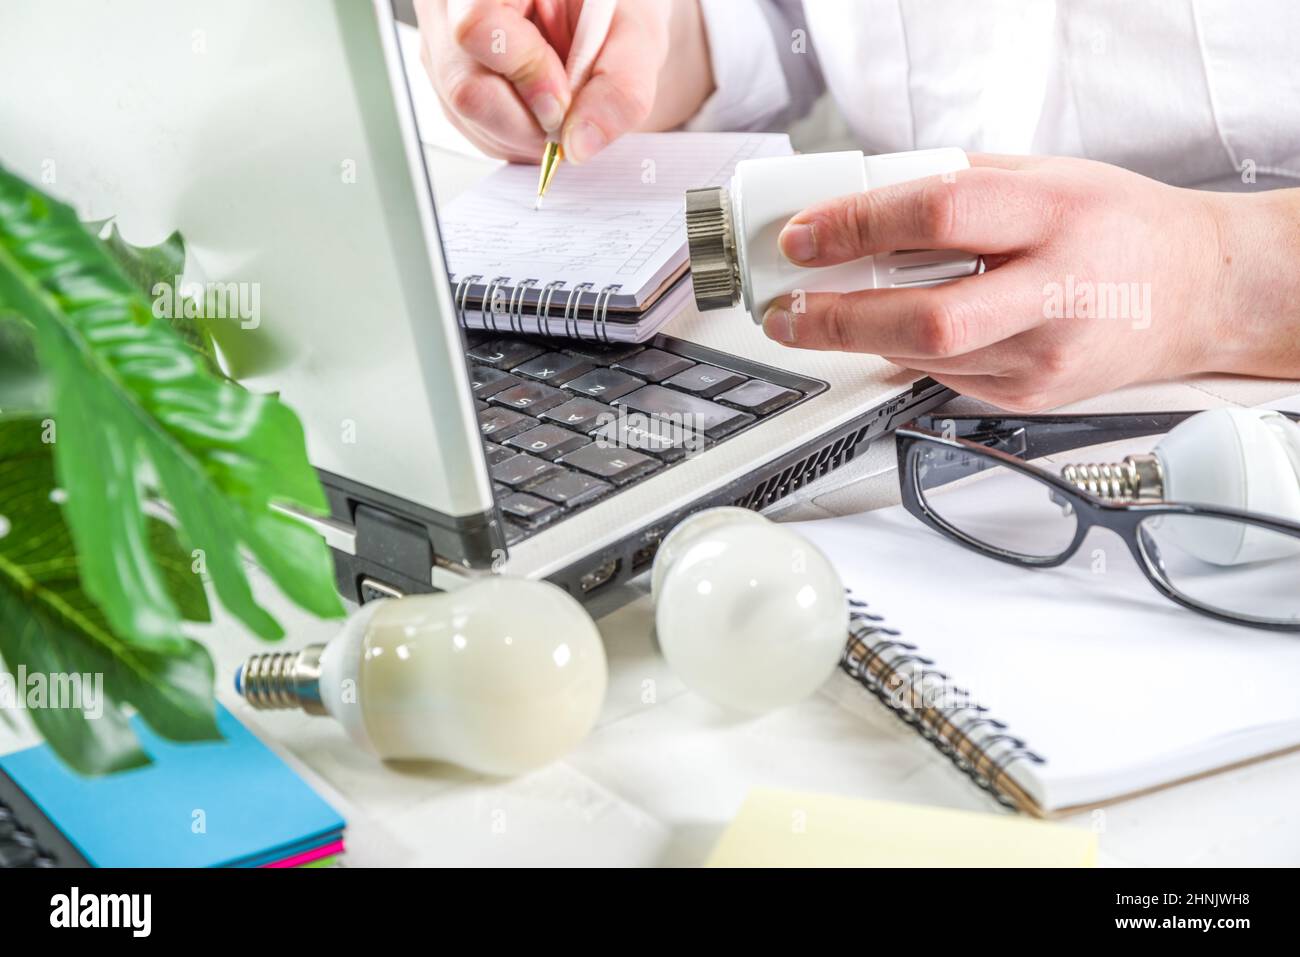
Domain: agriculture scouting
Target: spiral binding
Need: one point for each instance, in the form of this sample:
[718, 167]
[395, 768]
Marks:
[905, 682]
[543, 312]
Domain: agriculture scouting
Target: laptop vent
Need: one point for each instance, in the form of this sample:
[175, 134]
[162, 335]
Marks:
[807, 469]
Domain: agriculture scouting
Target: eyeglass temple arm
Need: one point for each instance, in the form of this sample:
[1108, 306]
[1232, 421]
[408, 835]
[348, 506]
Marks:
[1033, 436]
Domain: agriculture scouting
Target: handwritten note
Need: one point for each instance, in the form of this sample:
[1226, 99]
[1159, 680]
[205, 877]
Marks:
[618, 220]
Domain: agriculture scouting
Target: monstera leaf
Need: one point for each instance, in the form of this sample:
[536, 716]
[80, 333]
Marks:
[148, 268]
[21, 384]
[49, 626]
[23, 388]
[138, 415]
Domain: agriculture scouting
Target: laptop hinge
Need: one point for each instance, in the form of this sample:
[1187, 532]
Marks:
[393, 556]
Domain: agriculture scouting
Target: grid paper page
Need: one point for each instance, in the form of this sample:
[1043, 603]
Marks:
[618, 220]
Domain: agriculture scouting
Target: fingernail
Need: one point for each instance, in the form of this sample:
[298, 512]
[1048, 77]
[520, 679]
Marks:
[799, 243]
[549, 112]
[778, 324]
[583, 141]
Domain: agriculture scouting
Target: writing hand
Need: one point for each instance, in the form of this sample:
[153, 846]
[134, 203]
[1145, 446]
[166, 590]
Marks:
[498, 68]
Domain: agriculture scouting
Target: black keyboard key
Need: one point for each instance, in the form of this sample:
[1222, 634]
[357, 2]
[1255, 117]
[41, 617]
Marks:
[554, 368]
[580, 415]
[571, 489]
[605, 384]
[497, 454]
[548, 441]
[705, 381]
[698, 415]
[487, 382]
[520, 470]
[619, 466]
[504, 353]
[499, 424]
[602, 353]
[658, 437]
[531, 397]
[761, 398]
[654, 365]
[19, 850]
[529, 510]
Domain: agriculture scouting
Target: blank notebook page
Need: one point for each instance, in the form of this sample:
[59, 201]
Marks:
[1118, 688]
[617, 220]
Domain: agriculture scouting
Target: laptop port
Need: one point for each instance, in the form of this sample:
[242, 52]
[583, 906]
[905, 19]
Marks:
[598, 576]
[372, 590]
[644, 556]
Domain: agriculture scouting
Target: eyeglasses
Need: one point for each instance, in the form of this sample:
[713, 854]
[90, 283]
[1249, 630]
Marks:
[968, 477]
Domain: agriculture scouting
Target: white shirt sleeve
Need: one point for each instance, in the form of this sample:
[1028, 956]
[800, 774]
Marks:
[765, 72]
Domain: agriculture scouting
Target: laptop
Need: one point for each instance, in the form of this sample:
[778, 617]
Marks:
[280, 139]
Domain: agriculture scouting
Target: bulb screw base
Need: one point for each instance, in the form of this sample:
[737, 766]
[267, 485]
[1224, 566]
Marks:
[711, 241]
[283, 680]
[1137, 478]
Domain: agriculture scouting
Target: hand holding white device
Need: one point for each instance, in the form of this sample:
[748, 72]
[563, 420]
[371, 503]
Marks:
[733, 232]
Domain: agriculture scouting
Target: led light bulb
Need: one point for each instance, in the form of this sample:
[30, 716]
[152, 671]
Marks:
[749, 614]
[501, 676]
[732, 231]
[1246, 459]
[687, 531]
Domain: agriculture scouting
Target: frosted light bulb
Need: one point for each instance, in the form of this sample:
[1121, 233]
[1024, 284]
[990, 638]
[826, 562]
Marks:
[687, 531]
[501, 676]
[749, 614]
[732, 231]
[1246, 459]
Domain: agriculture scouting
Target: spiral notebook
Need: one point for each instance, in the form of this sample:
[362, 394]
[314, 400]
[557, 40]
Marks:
[1055, 689]
[605, 257]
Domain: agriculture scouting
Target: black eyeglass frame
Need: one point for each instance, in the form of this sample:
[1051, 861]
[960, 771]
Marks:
[1010, 440]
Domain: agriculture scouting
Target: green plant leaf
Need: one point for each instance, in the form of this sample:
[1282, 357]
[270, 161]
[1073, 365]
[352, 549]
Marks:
[145, 266]
[136, 411]
[22, 387]
[51, 627]
[149, 266]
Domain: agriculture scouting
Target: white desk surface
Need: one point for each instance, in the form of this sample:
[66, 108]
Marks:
[664, 771]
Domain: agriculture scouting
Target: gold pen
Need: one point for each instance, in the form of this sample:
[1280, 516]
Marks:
[551, 159]
[588, 37]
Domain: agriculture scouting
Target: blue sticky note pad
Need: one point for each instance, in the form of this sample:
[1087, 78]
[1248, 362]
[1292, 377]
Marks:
[201, 804]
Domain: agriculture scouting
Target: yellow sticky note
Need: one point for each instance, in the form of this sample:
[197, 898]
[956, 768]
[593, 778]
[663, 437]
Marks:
[793, 829]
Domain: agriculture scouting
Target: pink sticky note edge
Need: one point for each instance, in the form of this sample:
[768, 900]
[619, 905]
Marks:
[306, 857]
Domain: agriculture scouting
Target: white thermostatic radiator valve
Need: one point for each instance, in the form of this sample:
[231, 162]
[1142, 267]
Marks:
[732, 231]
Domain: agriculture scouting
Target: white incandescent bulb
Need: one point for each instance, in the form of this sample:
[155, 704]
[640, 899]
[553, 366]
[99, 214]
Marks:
[1247, 459]
[501, 676]
[1243, 459]
[687, 531]
[749, 614]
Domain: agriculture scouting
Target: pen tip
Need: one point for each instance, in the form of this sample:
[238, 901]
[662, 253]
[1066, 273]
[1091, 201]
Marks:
[550, 163]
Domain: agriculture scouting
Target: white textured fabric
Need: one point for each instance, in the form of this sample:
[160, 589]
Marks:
[1192, 92]
[752, 88]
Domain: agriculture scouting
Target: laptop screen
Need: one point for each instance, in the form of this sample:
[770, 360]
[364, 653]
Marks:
[275, 137]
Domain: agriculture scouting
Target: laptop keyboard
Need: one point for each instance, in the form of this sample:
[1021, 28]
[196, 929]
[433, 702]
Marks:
[567, 423]
[20, 846]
